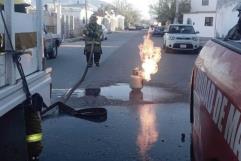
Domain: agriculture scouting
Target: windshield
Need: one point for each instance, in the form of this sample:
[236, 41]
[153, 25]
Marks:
[181, 29]
[159, 29]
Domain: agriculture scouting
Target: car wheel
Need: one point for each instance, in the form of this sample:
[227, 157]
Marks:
[46, 53]
[166, 49]
[53, 54]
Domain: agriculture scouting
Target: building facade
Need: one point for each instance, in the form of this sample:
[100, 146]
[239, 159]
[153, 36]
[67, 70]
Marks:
[227, 16]
[202, 17]
[74, 18]
[213, 18]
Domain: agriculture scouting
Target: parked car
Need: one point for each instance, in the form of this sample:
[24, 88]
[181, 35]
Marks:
[158, 31]
[131, 28]
[105, 32]
[181, 37]
[51, 45]
[139, 27]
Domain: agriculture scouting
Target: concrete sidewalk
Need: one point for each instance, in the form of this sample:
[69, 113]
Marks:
[75, 39]
[204, 40]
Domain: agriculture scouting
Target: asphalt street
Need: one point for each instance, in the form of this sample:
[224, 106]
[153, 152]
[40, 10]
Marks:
[148, 125]
[71, 61]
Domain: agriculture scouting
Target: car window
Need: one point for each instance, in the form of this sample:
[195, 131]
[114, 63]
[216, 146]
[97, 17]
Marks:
[181, 29]
[159, 28]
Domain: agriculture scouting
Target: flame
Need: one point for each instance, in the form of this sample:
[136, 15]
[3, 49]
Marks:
[150, 57]
[148, 134]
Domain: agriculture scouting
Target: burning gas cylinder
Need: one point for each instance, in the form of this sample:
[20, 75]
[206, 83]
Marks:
[150, 57]
[136, 81]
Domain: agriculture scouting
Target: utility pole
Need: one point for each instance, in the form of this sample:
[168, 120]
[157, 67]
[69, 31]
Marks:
[86, 13]
[54, 2]
[177, 11]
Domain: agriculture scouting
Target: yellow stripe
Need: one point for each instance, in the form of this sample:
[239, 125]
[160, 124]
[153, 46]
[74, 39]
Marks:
[34, 138]
[18, 1]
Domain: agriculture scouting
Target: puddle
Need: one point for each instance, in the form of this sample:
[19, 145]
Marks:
[151, 132]
[136, 128]
[123, 93]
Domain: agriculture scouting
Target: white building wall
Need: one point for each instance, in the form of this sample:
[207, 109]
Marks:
[59, 15]
[196, 6]
[83, 15]
[69, 12]
[121, 22]
[227, 16]
[198, 22]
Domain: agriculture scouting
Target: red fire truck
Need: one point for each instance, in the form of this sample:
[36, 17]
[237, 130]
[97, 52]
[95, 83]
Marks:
[216, 103]
[216, 91]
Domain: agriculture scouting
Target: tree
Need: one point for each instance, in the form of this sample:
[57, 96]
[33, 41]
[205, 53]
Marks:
[124, 8]
[103, 9]
[165, 10]
[184, 7]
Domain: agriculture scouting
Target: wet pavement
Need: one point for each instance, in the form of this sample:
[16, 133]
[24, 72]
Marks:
[121, 94]
[140, 126]
[147, 125]
[133, 133]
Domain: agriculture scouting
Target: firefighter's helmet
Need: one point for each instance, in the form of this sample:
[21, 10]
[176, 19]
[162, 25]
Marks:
[238, 8]
[93, 18]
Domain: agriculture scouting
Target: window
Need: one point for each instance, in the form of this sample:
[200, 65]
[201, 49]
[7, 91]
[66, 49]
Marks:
[181, 29]
[208, 21]
[205, 2]
[189, 21]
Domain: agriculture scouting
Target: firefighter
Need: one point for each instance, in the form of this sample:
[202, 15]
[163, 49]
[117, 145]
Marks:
[235, 32]
[93, 33]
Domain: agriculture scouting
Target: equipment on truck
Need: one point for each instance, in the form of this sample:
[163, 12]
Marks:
[21, 91]
[23, 97]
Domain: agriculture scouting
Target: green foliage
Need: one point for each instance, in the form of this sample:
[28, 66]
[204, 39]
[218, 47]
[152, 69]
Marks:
[124, 8]
[184, 7]
[104, 8]
[165, 10]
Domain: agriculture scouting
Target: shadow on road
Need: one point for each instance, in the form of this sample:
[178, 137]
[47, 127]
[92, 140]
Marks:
[184, 52]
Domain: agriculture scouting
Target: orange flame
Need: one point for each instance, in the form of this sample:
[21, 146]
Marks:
[148, 134]
[150, 57]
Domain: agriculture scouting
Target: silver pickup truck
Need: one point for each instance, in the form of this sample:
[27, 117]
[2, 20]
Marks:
[51, 45]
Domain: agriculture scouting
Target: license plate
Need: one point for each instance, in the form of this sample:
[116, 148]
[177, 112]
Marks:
[183, 46]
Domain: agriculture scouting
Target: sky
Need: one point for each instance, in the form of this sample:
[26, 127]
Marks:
[141, 5]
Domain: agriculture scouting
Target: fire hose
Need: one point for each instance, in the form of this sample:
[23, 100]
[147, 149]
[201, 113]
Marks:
[62, 103]
[32, 111]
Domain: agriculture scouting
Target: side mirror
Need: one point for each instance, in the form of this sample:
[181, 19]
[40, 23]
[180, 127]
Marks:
[197, 32]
